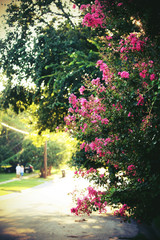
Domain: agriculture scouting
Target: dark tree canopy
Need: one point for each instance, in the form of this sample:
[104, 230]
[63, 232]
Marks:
[54, 59]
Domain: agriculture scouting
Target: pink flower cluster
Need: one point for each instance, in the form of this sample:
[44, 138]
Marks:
[107, 75]
[99, 145]
[131, 43]
[119, 4]
[96, 16]
[130, 114]
[92, 201]
[86, 173]
[124, 74]
[81, 90]
[122, 211]
[140, 100]
[140, 180]
[69, 119]
[131, 170]
[145, 71]
[100, 87]
[118, 106]
[92, 109]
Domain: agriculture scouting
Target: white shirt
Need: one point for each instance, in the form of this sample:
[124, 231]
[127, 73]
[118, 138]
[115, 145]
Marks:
[18, 169]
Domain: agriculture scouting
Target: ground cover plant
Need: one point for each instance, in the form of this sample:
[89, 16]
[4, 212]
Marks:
[117, 116]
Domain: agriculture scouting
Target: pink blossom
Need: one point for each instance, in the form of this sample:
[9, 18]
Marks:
[121, 211]
[83, 6]
[144, 84]
[94, 121]
[66, 129]
[104, 121]
[130, 114]
[81, 90]
[87, 148]
[144, 64]
[102, 89]
[74, 6]
[141, 100]
[119, 4]
[73, 100]
[123, 49]
[108, 37]
[83, 101]
[152, 77]
[142, 74]
[68, 119]
[96, 81]
[131, 170]
[92, 146]
[74, 210]
[82, 145]
[150, 63]
[102, 175]
[87, 203]
[71, 110]
[92, 20]
[99, 62]
[116, 166]
[124, 74]
[84, 127]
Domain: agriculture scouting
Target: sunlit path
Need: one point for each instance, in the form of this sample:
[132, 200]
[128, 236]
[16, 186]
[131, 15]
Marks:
[43, 212]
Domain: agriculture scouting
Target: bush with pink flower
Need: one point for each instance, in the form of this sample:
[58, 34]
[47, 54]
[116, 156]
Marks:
[117, 119]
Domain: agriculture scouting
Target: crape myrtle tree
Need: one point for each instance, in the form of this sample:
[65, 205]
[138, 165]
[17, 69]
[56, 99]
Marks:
[117, 116]
[44, 55]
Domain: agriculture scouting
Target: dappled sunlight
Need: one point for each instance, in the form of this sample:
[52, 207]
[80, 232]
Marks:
[43, 212]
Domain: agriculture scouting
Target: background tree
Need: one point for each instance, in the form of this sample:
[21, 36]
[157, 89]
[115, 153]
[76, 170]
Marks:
[44, 62]
[19, 143]
[11, 145]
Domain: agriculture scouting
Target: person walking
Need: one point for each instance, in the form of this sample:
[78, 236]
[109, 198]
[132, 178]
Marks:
[22, 171]
[18, 170]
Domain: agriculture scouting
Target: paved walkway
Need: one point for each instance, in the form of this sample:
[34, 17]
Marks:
[43, 213]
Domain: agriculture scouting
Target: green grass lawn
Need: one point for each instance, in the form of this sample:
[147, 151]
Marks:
[19, 185]
[22, 184]
[9, 176]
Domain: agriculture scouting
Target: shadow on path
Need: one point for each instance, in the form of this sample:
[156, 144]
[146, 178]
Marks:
[43, 213]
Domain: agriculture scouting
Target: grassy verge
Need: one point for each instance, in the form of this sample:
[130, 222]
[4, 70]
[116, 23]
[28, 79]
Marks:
[25, 183]
[19, 185]
[9, 176]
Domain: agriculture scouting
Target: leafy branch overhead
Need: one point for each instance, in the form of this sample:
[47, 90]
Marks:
[39, 57]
